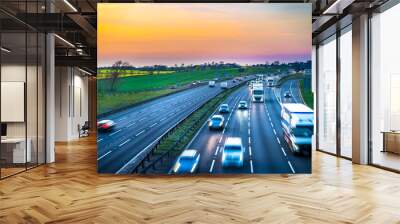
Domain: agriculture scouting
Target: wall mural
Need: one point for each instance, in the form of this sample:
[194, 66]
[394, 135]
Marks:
[204, 88]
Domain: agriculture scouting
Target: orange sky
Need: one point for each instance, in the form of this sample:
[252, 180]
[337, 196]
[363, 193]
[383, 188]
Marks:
[151, 33]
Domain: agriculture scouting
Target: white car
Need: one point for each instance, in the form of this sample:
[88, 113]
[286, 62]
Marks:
[233, 152]
[216, 122]
[187, 162]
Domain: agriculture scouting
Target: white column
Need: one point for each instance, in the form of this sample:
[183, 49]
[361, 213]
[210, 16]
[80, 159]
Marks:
[360, 90]
[50, 98]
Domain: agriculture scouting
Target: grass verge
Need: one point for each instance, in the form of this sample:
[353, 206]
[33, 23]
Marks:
[110, 102]
[185, 131]
[308, 96]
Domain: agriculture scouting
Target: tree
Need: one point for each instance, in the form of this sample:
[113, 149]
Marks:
[117, 69]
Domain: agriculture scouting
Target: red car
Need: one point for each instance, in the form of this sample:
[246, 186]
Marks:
[105, 125]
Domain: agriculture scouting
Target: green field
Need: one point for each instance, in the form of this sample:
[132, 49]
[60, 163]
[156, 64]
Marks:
[134, 89]
[110, 102]
[307, 94]
[105, 73]
[156, 82]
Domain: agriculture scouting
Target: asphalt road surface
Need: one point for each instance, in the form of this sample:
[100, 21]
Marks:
[259, 127]
[139, 126]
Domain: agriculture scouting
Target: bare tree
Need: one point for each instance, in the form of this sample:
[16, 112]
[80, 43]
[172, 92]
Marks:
[117, 69]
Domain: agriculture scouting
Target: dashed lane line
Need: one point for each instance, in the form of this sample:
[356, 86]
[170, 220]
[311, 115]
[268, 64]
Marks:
[274, 131]
[99, 140]
[104, 155]
[251, 166]
[140, 133]
[216, 151]
[212, 166]
[284, 153]
[277, 139]
[250, 153]
[122, 144]
[291, 167]
[131, 124]
[153, 125]
[115, 132]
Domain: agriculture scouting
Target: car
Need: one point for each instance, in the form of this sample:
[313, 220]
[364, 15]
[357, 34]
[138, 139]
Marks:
[242, 104]
[216, 122]
[187, 162]
[105, 125]
[233, 81]
[224, 108]
[287, 94]
[233, 152]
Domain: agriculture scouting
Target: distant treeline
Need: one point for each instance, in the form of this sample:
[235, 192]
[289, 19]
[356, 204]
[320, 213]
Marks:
[297, 66]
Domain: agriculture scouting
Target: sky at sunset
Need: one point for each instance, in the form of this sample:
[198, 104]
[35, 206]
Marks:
[168, 34]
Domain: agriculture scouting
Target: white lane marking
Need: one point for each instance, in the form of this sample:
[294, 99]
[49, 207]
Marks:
[291, 167]
[122, 119]
[114, 132]
[120, 145]
[153, 125]
[141, 119]
[272, 125]
[250, 150]
[284, 153]
[131, 124]
[140, 133]
[249, 140]
[220, 140]
[223, 131]
[104, 155]
[251, 166]
[248, 131]
[274, 131]
[162, 119]
[277, 139]
[216, 151]
[100, 140]
[212, 166]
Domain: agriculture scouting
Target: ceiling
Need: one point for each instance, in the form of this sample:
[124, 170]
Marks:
[75, 21]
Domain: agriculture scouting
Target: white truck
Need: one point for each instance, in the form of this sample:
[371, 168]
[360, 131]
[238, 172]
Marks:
[298, 126]
[257, 92]
[211, 83]
[224, 85]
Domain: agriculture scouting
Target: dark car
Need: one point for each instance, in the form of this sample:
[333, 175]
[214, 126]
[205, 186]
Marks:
[287, 94]
[105, 125]
[216, 122]
[224, 108]
[187, 162]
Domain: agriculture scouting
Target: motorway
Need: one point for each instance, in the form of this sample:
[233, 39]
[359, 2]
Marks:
[259, 127]
[140, 125]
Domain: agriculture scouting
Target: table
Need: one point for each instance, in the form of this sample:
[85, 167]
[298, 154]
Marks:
[13, 150]
[391, 141]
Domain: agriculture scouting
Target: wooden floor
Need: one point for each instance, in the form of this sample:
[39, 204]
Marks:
[70, 191]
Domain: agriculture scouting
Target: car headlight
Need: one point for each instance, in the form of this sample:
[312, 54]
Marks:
[209, 124]
[176, 167]
[223, 157]
[295, 146]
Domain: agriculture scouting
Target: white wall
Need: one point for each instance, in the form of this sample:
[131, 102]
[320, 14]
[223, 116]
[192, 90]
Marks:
[71, 102]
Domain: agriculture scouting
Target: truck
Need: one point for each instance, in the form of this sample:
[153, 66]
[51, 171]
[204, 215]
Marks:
[224, 85]
[257, 92]
[211, 83]
[298, 127]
